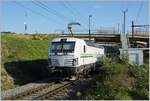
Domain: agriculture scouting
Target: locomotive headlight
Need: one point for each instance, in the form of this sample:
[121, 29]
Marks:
[75, 62]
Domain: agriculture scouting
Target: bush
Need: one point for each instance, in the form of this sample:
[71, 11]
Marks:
[120, 81]
[141, 87]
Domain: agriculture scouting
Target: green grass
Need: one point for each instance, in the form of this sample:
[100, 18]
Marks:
[14, 48]
[22, 58]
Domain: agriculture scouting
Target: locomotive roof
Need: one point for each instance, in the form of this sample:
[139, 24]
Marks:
[67, 39]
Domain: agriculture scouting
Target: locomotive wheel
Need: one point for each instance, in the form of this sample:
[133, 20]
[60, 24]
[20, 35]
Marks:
[49, 71]
[86, 73]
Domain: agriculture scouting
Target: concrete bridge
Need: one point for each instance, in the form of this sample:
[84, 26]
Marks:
[112, 38]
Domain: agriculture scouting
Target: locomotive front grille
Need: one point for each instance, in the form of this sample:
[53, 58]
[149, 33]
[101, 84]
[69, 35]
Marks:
[62, 61]
[68, 62]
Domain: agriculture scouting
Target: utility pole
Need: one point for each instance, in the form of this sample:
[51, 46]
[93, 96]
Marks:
[124, 37]
[132, 29]
[118, 27]
[25, 24]
[25, 27]
[124, 26]
[90, 27]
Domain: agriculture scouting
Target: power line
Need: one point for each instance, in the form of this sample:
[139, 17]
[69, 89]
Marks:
[74, 9]
[21, 5]
[35, 12]
[64, 4]
[75, 12]
[50, 10]
[59, 14]
[45, 7]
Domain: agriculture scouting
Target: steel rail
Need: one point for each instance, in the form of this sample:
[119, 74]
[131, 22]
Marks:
[51, 95]
[29, 92]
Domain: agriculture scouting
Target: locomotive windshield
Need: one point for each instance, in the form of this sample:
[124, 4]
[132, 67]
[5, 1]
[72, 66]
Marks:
[62, 46]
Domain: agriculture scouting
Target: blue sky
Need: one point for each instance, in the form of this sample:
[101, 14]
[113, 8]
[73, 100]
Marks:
[104, 14]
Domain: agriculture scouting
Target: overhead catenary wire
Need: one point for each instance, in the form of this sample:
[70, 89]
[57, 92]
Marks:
[72, 13]
[43, 6]
[74, 9]
[50, 10]
[76, 13]
[58, 14]
[37, 13]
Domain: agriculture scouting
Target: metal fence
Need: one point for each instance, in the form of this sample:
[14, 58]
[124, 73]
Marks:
[141, 31]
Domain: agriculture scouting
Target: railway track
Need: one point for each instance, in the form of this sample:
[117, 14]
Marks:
[58, 92]
[49, 91]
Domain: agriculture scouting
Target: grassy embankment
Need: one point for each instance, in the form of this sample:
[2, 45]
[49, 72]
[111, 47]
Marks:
[23, 59]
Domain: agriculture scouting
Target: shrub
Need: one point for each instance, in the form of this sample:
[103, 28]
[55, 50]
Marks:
[141, 87]
[120, 81]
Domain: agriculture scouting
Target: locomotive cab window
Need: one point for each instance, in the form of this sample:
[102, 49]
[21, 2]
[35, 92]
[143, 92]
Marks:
[63, 46]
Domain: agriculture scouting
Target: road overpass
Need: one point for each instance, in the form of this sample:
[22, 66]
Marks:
[110, 38]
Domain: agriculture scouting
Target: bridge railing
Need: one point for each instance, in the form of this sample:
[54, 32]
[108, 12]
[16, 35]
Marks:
[93, 31]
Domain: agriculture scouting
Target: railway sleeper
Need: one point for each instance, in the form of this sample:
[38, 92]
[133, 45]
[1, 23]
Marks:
[51, 93]
[56, 92]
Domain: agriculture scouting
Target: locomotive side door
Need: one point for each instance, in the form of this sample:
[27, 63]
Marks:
[84, 54]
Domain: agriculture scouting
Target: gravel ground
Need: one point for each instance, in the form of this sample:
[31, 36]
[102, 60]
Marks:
[21, 89]
[17, 90]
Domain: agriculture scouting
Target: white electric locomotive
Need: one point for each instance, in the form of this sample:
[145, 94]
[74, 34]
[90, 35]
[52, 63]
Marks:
[73, 56]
